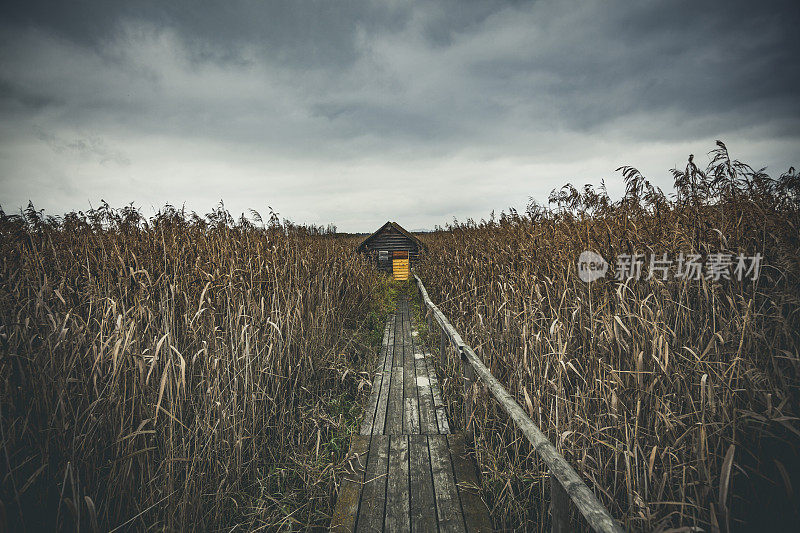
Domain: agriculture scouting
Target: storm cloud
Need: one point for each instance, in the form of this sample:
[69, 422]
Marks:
[359, 112]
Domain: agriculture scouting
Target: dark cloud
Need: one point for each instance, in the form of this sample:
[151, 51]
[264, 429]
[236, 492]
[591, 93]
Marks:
[93, 147]
[13, 98]
[296, 32]
[330, 106]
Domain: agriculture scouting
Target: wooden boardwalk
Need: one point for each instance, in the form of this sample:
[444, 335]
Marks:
[407, 471]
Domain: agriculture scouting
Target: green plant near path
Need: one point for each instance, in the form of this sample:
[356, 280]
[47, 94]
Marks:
[381, 305]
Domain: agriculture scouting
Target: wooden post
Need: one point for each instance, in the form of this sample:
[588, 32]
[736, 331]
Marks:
[559, 507]
[442, 346]
[469, 389]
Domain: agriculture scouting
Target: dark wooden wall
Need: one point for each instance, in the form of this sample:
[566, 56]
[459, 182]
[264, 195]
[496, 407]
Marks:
[391, 240]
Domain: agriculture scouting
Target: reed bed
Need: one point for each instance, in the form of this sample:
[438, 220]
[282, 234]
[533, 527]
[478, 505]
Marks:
[677, 399]
[178, 372]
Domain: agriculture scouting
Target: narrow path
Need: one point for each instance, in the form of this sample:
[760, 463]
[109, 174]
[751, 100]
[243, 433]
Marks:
[408, 472]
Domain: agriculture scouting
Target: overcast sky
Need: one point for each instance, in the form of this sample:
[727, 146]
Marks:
[354, 113]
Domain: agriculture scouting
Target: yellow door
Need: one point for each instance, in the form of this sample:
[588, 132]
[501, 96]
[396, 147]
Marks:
[400, 269]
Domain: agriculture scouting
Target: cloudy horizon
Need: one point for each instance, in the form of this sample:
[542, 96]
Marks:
[360, 112]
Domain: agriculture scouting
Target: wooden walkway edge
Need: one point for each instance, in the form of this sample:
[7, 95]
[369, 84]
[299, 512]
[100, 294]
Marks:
[406, 470]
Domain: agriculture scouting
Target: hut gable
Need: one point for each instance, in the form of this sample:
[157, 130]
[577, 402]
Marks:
[391, 240]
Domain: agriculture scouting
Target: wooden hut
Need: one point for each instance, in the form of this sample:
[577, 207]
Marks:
[393, 249]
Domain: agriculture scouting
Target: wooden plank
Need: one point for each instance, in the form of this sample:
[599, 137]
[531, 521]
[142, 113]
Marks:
[394, 411]
[403, 332]
[406, 331]
[476, 513]
[385, 343]
[436, 393]
[372, 405]
[448, 504]
[411, 421]
[397, 359]
[379, 424]
[344, 516]
[387, 363]
[393, 340]
[397, 486]
[422, 509]
[410, 415]
[410, 400]
[373, 495]
[377, 381]
[407, 340]
[427, 414]
[426, 370]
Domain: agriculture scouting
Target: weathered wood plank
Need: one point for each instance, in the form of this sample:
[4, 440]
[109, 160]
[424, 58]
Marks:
[427, 414]
[448, 504]
[373, 495]
[387, 363]
[385, 343]
[407, 340]
[379, 424]
[476, 513]
[397, 487]
[397, 360]
[377, 381]
[372, 405]
[426, 370]
[344, 516]
[438, 404]
[410, 400]
[423, 505]
[394, 411]
[410, 416]
[400, 335]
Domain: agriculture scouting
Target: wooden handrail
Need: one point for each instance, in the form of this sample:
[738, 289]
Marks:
[566, 479]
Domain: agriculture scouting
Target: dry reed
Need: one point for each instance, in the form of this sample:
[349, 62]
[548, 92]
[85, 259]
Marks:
[677, 400]
[177, 373]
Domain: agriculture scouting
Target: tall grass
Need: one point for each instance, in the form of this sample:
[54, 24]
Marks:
[677, 400]
[176, 373]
